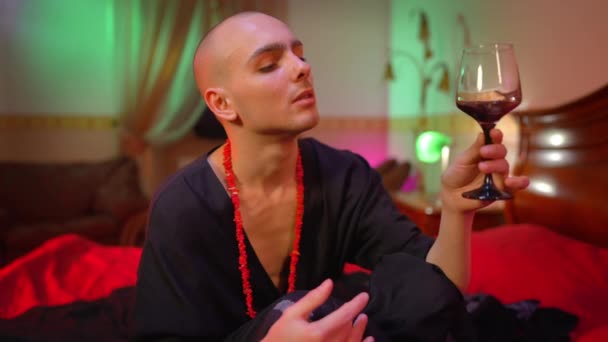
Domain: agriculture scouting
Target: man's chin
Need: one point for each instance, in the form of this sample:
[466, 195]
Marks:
[307, 126]
[314, 120]
[301, 123]
[310, 119]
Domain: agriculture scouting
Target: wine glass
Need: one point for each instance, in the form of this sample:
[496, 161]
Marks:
[488, 88]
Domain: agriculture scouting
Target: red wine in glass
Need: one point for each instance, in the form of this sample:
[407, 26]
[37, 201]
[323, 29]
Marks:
[488, 88]
[487, 112]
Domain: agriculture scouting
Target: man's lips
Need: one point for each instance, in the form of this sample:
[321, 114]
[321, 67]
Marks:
[306, 94]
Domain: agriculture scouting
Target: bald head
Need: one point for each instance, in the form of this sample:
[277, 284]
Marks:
[212, 57]
[251, 71]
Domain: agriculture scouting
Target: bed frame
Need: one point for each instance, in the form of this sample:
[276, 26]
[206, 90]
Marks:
[564, 151]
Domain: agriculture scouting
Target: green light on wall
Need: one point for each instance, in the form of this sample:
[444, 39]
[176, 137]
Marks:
[429, 146]
[63, 55]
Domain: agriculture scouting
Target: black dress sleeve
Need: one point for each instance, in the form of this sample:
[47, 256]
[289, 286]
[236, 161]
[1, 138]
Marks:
[410, 299]
[378, 226]
[182, 292]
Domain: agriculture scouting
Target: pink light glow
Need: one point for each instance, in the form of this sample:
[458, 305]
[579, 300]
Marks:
[370, 144]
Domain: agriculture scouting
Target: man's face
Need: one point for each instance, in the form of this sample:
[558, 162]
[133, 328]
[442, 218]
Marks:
[269, 85]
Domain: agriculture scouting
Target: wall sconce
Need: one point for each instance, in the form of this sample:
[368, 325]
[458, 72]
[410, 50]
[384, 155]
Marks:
[432, 148]
[425, 72]
[465, 29]
[425, 69]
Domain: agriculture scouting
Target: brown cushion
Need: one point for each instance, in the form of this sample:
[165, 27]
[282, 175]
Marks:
[23, 238]
[120, 195]
[394, 178]
[32, 192]
[5, 220]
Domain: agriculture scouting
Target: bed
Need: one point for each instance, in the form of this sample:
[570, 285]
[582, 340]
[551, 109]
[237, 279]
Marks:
[553, 250]
[555, 247]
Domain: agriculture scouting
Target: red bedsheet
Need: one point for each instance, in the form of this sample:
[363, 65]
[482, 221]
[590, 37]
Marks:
[520, 262]
[513, 263]
[63, 270]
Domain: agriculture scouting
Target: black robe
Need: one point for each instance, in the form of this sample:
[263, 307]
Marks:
[189, 284]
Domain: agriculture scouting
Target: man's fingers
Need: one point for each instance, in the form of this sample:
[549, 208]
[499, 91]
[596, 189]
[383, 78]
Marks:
[494, 151]
[479, 150]
[471, 154]
[312, 300]
[356, 334]
[346, 313]
[496, 136]
[500, 166]
[517, 183]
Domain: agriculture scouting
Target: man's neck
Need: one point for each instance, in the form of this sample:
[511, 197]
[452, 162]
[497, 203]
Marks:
[262, 163]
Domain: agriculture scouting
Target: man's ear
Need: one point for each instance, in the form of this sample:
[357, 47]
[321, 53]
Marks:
[219, 104]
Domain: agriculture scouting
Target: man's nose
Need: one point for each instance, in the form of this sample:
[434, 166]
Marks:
[301, 68]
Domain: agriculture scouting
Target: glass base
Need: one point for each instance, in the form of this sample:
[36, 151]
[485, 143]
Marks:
[487, 193]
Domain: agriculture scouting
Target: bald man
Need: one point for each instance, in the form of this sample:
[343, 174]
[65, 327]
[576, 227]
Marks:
[248, 242]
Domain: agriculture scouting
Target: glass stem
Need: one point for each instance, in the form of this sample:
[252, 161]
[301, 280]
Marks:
[487, 192]
[487, 127]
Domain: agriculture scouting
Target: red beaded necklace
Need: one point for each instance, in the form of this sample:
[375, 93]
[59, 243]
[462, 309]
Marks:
[240, 236]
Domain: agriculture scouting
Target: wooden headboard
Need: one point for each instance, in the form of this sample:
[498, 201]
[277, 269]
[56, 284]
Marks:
[564, 151]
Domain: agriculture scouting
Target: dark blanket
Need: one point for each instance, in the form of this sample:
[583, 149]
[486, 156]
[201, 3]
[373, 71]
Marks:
[106, 319]
[410, 300]
[522, 321]
[109, 319]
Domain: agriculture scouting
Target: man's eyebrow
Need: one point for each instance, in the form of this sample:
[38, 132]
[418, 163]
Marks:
[274, 47]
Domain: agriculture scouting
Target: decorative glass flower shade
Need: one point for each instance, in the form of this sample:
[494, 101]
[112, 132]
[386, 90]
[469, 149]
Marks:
[430, 145]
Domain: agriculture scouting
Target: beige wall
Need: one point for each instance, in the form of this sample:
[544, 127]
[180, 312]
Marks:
[57, 145]
[346, 43]
[561, 46]
[561, 49]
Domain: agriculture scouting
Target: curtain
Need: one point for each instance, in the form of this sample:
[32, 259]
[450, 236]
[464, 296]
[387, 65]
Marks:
[160, 100]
